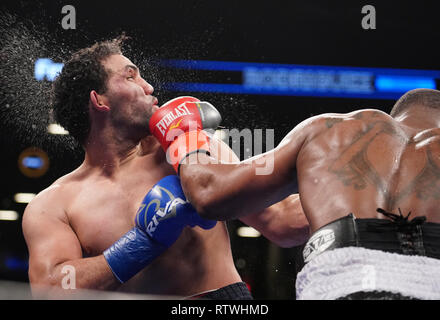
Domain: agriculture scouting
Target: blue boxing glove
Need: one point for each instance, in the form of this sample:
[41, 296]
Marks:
[163, 214]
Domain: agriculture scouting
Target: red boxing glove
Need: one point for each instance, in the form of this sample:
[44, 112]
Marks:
[186, 144]
[184, 115]
[174, 118]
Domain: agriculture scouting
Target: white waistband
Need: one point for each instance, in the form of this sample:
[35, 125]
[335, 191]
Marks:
[339, 272]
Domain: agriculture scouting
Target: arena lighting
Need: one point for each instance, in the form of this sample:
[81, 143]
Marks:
[290, 80]
[33, 162]
[402, 83]
[8, 215]
[24, 197]
[54, 128]
[14, 263]
[306, 80]
[248, 232]
[46, 68]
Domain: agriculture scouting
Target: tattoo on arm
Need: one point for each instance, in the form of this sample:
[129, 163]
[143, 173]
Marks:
[330, 122]
[353, 166]
[426, 184]
[354, 169]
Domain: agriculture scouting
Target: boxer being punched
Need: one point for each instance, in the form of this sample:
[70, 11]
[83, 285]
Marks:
[98, 218]
[369, 184]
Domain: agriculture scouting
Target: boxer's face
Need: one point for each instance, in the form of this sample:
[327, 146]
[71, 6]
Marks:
[128, 95]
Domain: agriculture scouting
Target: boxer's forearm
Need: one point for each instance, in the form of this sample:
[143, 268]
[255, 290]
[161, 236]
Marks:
[229, 191]
[283, 223]
[87, 273]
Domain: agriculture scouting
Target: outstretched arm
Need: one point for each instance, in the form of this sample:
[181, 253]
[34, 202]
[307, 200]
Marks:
[224, 191]
[258, 191]
[229, 191]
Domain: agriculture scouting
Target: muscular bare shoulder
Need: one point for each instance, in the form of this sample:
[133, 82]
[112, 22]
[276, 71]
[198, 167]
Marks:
[50, 203]
[356, 120]
[47, 232]
[328, 120]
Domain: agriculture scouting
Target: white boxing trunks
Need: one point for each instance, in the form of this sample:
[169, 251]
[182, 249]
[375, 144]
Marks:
[340, 272]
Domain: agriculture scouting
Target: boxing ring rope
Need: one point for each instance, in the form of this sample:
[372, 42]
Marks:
[10, 290]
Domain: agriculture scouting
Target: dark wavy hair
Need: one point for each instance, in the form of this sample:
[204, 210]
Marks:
[83, 73]
[425, 97]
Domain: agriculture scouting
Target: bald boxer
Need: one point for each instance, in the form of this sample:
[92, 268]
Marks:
[369, 184]
[121, 220]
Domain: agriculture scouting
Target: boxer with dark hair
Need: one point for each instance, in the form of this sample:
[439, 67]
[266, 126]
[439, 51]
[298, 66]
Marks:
[97, 219]
[369, 184]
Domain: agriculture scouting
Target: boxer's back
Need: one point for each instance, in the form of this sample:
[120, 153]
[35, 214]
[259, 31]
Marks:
[365, 160]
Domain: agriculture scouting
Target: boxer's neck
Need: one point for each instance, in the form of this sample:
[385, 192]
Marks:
[108, 150]
[148, 145]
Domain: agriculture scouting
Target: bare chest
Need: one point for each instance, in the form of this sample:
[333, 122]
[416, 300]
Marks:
[103, 211]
